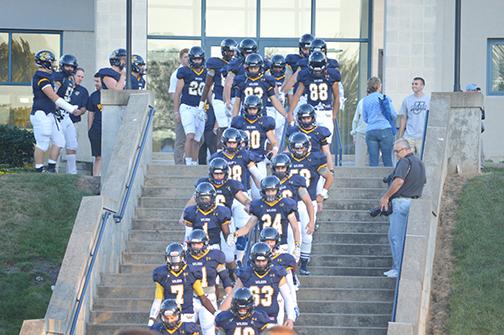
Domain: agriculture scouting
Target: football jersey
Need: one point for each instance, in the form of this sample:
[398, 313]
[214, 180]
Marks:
[209, 263]
[210, 221]
[252, 324]
[265, 288]
[256, 130]
[319, 91]
[289, 187]
[108, 72]
[95, 106]
[80, 98]
[137, 82]
[235, 65]
[214, 67]
[291, 60]
[274, 214]
[183, 328]
[309, 167]
[285, 260]
[65, 85]
[40, 100]
[238, 165]
[178, 286]
[225, 192]
[262, 86]
[278, 83]
[318, 135]
[194, 83]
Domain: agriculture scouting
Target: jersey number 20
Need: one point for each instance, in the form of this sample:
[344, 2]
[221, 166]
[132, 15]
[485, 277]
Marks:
[196, 88]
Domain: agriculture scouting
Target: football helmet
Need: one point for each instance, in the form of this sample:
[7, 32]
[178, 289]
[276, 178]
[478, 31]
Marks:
[175, 257]
[138, 64]
[116, 58]
[169, 307]
[270, 183]
[260, 252]
[68, 60]
[244, 139]
[277, 67]
[231, 135]
[243, 302]
[247, 47]
[281, 160]
[205, 196]
[318, 44]
[305, 111]
[228, 48]
[218, 165]
[304, 43]
[252, 101]
[270, 234]
[299, 145]
[196, 57]
[253, 61]
[45, 59]
[197, 236]
[317, 64]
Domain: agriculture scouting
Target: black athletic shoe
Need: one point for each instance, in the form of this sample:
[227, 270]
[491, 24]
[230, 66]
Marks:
[51, 168]
[303, 269]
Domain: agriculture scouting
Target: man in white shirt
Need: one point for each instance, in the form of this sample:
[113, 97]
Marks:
[413, 112]
[180, 136]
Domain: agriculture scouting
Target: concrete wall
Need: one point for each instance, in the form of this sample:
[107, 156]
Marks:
[378, 33]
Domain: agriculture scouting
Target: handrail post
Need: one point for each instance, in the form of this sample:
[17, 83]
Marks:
[338, 155]
[424, 138]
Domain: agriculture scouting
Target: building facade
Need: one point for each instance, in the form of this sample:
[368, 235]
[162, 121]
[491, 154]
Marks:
[395, 39]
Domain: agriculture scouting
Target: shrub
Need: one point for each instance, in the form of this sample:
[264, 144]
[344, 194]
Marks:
[16, 146]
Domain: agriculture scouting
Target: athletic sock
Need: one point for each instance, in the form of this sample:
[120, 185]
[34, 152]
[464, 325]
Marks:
[71, 163]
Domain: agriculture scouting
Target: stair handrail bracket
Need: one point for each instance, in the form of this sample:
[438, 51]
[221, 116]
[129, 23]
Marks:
[102, 224]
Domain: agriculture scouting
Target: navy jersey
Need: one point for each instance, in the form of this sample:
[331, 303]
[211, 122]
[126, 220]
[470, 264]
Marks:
[41, 101]
[253, 324]
[309, 168]
[292, 60]
[238, 165]
[235, 65]
[210, 263]
[65, 85]
[265, 288]
[194, 84]
[211, 221]
[262, 86]
[214, 67]
[289, 187]
[94, 105]
[319, 91]
[318, 136]
[256, 130]
[79, 98]
[285, 260]
[137, 82]
[108, 72]
[225, 192]
[178, 286]
[279, 81]
[302, 64]
[274, 214]
[183, 328]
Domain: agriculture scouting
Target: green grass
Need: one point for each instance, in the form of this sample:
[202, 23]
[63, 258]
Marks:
[36, 219]
[477, 299]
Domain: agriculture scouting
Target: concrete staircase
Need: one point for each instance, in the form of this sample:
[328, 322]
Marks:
[346, 293]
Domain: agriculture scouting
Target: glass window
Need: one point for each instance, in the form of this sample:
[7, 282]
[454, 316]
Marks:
[15, 105]
[341, 19]
[174, 18]
[276, 13]
[496, 84]
[4, 57]
[231, 18]
[24, 47]
[270, 51]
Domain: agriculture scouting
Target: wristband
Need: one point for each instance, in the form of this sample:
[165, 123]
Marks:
[297, 243]
[324, 193]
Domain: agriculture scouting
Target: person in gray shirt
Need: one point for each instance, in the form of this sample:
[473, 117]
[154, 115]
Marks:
[412, 115]
[407, 183]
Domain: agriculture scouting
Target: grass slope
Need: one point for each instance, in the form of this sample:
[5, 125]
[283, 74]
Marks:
[477, 300]
[36, 218]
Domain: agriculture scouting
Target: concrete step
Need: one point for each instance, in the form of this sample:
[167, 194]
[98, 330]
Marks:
[323, 330]
[342, 320]
[352, 204]
[324, 226]
[326, 215]
[313, 281]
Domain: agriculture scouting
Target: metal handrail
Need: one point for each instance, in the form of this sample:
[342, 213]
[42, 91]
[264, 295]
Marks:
[424, 135]
[105, 216]
[338, 161]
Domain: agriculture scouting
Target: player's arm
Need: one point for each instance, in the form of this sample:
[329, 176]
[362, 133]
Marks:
[226, 303]
[336, 100]
[297, 96]
[113, 84]
[208, 84]
[292, 287]
[289, 83]
[225, 229]
[236, 106]
[156, 304]
[228, 84]
[278, 105]
[90, 119]
[243, 198]
[403, 113]
[257, 176]
[198, 290]
[327, 152]
[226, 281]
[45, 86]
[190, 202]
[293, 221]
[305, 197]
[329, 178]
[176, 98]
[289, 303]
[246, 229]
[270, 134]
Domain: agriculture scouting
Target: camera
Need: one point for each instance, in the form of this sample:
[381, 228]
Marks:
[374, 212]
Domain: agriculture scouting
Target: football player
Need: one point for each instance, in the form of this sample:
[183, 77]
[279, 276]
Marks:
[259, 128]
[114, 77]
[311, 165]
[137, 72]
[273, 210]
[321, 86]
[235, 67]
[242, 318]
[294, 187]
[190, 86]
[292, 60]
[271, 237]
[215, 77]
[277, 71]
[43, 116]
[266, 282]
[171, 323]
[211, 263]
[244, 139]
[178, 280]
[64, 81]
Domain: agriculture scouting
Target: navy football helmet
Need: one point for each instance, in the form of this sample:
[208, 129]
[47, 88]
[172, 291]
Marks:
[231, 135]
[299, 145]
[169, 307]
[196, 57]
[270, 234]
[318, 44]
[270, 183]
[244, 139]
[218, 165]
[45, 59]
[283, 161]
[253, 61]
[278, 63]
[317, 64]
[252, 101]
[68, 60]
[305, 111]
[243, 302]
[205, 196]
[137, 64]
[197, 236]
[247, 47]
[228, 48]
[118, 58]
[175, 257]
[304, 43]
[260, 252]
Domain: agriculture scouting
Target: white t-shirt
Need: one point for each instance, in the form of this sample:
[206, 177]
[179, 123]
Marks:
[173, 81]
[415, 108]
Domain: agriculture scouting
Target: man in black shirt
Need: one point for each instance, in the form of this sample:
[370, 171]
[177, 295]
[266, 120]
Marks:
[408, 180]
